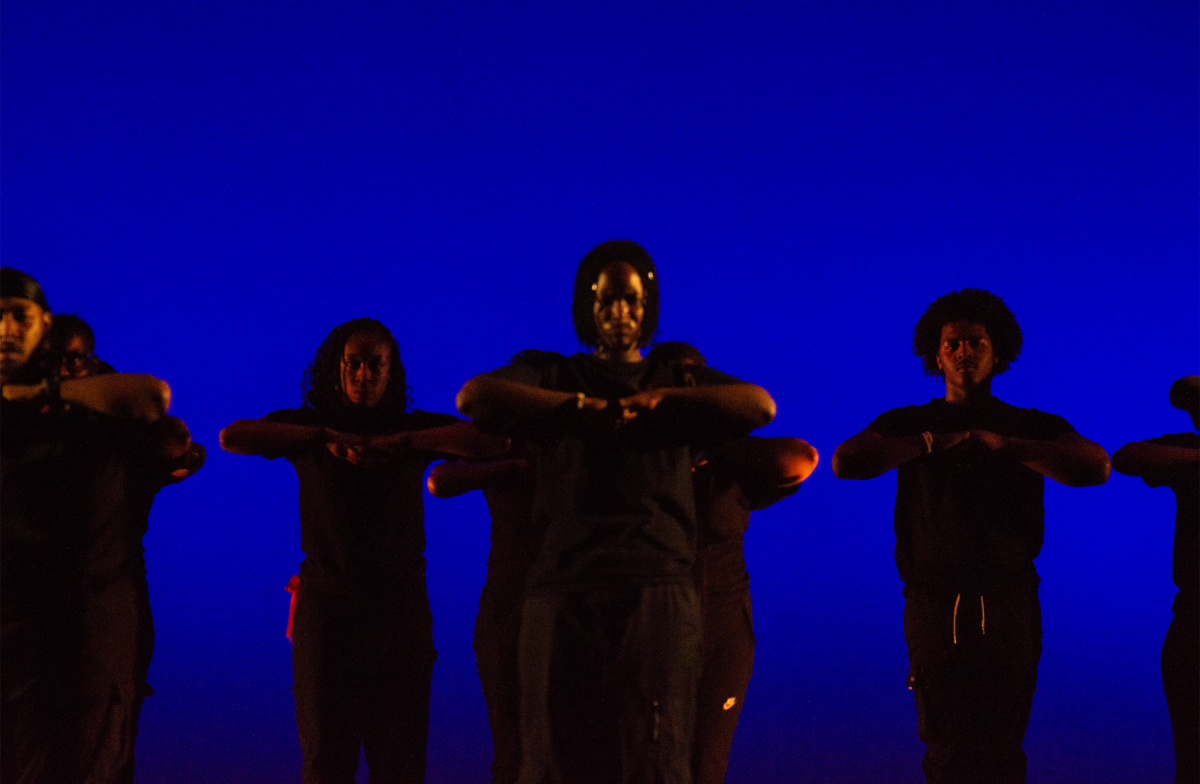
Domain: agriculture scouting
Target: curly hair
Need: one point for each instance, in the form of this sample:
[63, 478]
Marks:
[978, 307]
[591, 266]
[321, 386]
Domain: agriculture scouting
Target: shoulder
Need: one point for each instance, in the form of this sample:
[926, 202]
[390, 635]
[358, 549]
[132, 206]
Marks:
[707, 376]
[1184, 440]
[916, 417]
[1043, 423]
[531, 367]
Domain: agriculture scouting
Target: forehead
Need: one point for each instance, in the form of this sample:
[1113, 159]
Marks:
[619, 276]
[365, 343]
[964, 330]
[9, 303]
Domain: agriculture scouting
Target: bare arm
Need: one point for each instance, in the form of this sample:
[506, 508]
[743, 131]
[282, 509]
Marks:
[1153, 462]
[260, 437]
[456, 477]
[779, 462]
[133, 395]
[462, 439]
[748, 405]
[175, 447]
[1070, 459]
[868, 454]
[487, 399]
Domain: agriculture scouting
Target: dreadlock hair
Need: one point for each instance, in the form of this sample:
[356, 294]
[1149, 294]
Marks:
[976, 306]
[321, 386]
[596, 260]
[66, 326]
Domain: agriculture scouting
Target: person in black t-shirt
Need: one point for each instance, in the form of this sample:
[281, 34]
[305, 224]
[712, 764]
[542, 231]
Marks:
[1174, 461]
[362, 654]
[119, 640]
[609, 648]
[731, 481]
[507, 485]
[969, 522]
[63, 464]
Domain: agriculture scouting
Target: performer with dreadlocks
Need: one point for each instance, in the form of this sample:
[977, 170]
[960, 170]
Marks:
[969, 521]
[362, 654]
[609, 649]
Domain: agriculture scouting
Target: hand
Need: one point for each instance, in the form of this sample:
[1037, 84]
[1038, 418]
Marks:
[190, 461]
[944, 441]
[19, 392]
[345, 446]
[643, 401]
[988, 440]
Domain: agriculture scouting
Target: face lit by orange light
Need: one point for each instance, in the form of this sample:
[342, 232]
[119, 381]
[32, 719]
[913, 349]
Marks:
[366, 368]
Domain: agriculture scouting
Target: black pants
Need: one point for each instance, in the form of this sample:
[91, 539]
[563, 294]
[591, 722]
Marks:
[608, 679]
[40, 683]
[112, 684]
[728, 660]
[362, 669]
[973, 657]
[497, 634]
[1181, 682]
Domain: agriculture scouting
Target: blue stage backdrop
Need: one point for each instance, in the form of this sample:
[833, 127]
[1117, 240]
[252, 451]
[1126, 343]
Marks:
[215, 185]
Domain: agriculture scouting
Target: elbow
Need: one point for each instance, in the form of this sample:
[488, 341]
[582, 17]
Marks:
[467, 399]
[228, 439]
[843, 466]
[162, 397]
[801, 460]
[432, 485]
[808, 463]
[764, 409]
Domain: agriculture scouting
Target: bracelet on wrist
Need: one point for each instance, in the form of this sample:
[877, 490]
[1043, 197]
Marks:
[928, 441]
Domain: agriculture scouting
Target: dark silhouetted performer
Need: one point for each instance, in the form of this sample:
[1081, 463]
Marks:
[969, 521]
[507, 485]
[119, 639]
[731, 481]
[609, 649]
[362, 654]
[1174, 461]
[59, 448]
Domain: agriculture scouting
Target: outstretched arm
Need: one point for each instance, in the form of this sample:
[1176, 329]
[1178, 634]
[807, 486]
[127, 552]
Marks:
[262, 437]
[133, 395]
[747, 405]
[1154, 462]
[488, 399]
[1070, 459]
[462, 439]
[455, 477]
[780, 462]
[868, 454]
[175, 448]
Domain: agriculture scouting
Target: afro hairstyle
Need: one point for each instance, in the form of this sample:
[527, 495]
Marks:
[976, 306]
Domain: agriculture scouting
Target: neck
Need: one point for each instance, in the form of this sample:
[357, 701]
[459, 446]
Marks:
[965, 396]
[631, 354]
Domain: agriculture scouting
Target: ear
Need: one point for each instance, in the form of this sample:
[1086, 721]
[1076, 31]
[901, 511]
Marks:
[939, 361]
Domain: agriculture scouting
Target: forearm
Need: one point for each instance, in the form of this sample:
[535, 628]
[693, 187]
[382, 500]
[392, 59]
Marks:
[1073, 460]
[486, 399]
[868, 454]
[777, 462]
[463, 439]
[259, 437]
[746, 405]
[1142, 458]
[133, 395]
[455, 477]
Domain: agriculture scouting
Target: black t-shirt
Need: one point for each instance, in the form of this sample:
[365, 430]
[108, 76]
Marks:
[1185, 481]
[129, 473]
[615, 502]
[361, 526]
[964, 516]
[725, 496]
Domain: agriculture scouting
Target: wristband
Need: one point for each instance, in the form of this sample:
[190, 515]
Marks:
[579, 398]
[928, 441]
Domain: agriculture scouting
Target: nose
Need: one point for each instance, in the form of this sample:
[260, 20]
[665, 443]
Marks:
[8, 324]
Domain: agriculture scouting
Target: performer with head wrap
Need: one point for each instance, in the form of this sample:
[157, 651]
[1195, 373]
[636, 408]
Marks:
[362, 654]
[609, 649]
[67, 469]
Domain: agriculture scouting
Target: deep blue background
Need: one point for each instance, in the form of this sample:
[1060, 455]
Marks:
[215, 185]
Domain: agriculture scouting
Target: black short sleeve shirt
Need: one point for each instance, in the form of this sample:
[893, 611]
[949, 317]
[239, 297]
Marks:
[616, 503]
[361, 525]
[968, 516]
